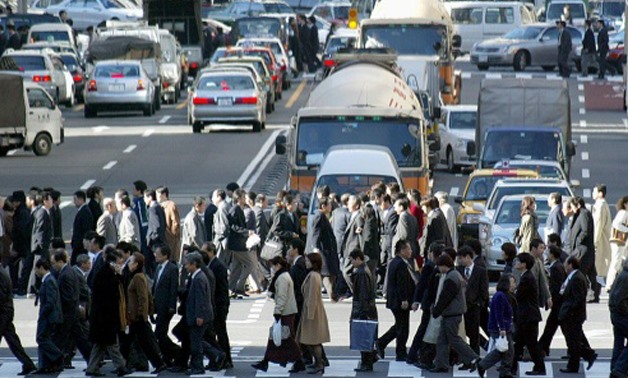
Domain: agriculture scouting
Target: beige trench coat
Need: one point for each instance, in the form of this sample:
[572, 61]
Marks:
[528, 230]
[313, 328]
[173, 229]
[602, 224]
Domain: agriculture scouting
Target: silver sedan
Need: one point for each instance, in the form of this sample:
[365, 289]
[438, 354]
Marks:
[119, 85]
[226, 98]
[530, 45]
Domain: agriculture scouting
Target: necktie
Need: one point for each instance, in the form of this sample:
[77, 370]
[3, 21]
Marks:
[467, 272]
[159, 269]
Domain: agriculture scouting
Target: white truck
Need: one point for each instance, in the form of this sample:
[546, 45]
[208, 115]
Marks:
[29, 118]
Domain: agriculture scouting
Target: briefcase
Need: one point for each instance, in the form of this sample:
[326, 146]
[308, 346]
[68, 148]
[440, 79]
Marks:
[272, 247]
[363, 335]
[619, 237]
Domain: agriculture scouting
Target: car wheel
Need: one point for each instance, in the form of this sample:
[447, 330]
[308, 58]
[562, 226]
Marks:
[269, 107]
[548, 68]
[149, 109]
[4, 151]
[42, 145]
[197, 127]
[482, 67]
[521, 61]
[257, 127]
[451, 167]
[70, 102]
[89, 111]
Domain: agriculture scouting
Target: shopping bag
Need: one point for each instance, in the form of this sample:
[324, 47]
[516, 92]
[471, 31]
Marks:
[272, 247]
[277, 333]
[432, 331]
[501, 344]
[363, 334]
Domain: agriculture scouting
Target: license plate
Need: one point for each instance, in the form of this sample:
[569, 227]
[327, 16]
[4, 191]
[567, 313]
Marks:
[225, 101]
[116, 88]
[482, 58]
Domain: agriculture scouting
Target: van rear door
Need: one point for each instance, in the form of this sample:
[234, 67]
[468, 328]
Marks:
[499, 20]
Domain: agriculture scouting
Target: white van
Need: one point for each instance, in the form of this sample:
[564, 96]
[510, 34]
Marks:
[57, 33]
[476, 21]
[558, 9]
[354, 168]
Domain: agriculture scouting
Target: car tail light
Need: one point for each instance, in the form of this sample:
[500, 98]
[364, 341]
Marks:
[42, 78]
[193, 65]
[140, 85]
[77, 78]
[246, 100]
[203, 101]
[91, 87]
[329, 63]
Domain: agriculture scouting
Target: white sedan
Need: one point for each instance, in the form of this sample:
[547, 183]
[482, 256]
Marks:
[456, 129]
[86, 13]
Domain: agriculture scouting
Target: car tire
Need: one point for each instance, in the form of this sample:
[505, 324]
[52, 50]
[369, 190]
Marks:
[89, 111]
[548, 68]
[197, 127]
[520, 62]
[149, 109]
[70, 103]
[269, 107]
[451, 167]
[4, 151]
[482, 67]
[257, 127]
[42, 144]
[285, 84]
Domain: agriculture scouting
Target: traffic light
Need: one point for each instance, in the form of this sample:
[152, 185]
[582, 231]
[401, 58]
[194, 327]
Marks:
[353, 18]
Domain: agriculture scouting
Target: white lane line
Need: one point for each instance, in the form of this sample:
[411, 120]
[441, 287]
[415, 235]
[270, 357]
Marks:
[100, 129]
[493, 76]
[148, 133]
[65, 204]
[454, 191]
[586, 193]
[580, 87]
[585, 155]
[583, 123]
[523, 76]
[164, 119]
[582, 111]
[260, 155]
[256, 310]
[87, 184]
[253, 179]
[553, 77]
[466, 75]
[253, 316]
[258, 305]
[585, 173]
[257, 301]
[584, 139]
[586, 78]
[109, 165]
[581, 98]
[12, 152]
[129, 149]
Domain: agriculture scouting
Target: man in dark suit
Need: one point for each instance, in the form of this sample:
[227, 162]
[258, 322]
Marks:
[350, 241]
[390, 218]
[564, 49]
[83, 265]
[156, 231]
[21, 235]
[573, 313]
[208, 218]
[476, 294]
[50, 317]
[528, 316]
[55, 211]
[321, 239]
[40, 234]
[70, 333]
[165, 290]
[556, 279]
[221, 301]
[556, 218]
[242, 261]
[298, 272]
[95, 195]
[399, 293]
[262, 227]
[370, 235]
[340, 218]
[97, 244]
[407, 227]
[83, 222]
[437, 229]
[15, 42]
[581, 242]
[602, 48]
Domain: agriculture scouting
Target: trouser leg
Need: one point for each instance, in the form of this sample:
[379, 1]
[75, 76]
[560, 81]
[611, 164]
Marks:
[472, 327]
[329, 282]
[168, 348]
[7, 330]
[417, 341]
[196, 347]
[452, 326]
[244, 263]
[573, 337]
[145, 338]
[402, 323]
[220, 328]
[25, 271]
[530, 333]
[95, 357]
[116, 357]
[617, 258]
[551, 326]
[33, 280]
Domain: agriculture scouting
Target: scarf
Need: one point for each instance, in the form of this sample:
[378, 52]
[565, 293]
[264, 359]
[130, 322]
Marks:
[271, 287]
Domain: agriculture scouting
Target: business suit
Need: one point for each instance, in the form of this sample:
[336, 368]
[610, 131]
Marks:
[70, 332]
[370, 237]
[83, 314]
[298, 272]
[340, 218]
[421, 297]
[400, 289]
[556, 278]
[528, 318]
[555, 222]
[573, 313]
[390, 220]
[221, 232]
[57, 222]
[603, 48]
[194, 230]
[50, 316]
[261, 229]
[172, 228]
[222, 302]
[581, 234]
[198, 306]
[564, 49]
[242, 261]
[96, 210]
[21, 231]
[97, 265]
[155, 235]
[408, 230]
[40, 233]
[83, 222]
[106, 228]
[437, 229]
[350, 241]
[321, 237]
[476, 294]
[208, 218]
[165, 290]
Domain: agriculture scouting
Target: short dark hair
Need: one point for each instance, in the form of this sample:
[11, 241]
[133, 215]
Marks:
[164, 190]
[80, 195]
[357, 254]
[554, 239]
[475, 245]
[232, 186]
[323, 191]
[43, 263]
[126, 201]
[93, 191]
[445, 260]
[279, 260]
[140, 186]
[556, 197]
[125, 247]
[60, 255]
[403, 202]
[251, 195]
[194, 258]
[89, 235]
[504, 282]
[465, 251]
[573, 261]
[299, 245]
[82, 259]
[527, 259]
[151, 193]
[287, 199]
[436, 248]
[316, 260]
[35, 196]
[209, 247]
[111, 254]
[100, 240]
[555, 251]
[165, 250]
[139, 259]
[510, 250]
[221, 193]
[56, 243]
[536, 242]
[601, 188]
[451, 252]
[401, 244]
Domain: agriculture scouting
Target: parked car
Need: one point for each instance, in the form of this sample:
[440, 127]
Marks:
[226, 98]
[42, 67]
[280, 54]
[86, 13]
[531, 45]
[456, 129]
[119, 85]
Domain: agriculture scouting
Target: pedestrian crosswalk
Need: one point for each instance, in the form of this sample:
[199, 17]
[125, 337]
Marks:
[341, 368]
[534, 75]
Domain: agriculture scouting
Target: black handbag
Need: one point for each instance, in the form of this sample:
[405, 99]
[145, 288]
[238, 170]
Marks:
[273, 247]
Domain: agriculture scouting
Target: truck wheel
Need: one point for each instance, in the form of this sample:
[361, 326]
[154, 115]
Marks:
[521, 61]
[89, 112]
[4, 151]
[42, 145]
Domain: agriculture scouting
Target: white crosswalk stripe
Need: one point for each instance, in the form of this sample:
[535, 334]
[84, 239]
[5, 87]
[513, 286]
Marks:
[600, 369]
[401, 369]
[529, 366]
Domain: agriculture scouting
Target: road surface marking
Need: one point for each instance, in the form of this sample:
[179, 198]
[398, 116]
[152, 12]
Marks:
[342, 368]
[278, 127]
[296, 94]
[454, 191]
[625, 122]
[586, 78]
[253, 316]
[583, 123]
[585, 155]
[586, 193]
[523, 76]
[466, 75]
[65, 204]
[257, 159]
[87, 184]
[580, 87]
[148, 133]
[581, 98]
[164, 119]
[584, 139]
[79, 108]
[182, 105]
[253, 179]
[274, 370]
[129, 149]
[402, 369]
[582, 111]
[493, 76]
[109, 165]
[100, 129]
[256, 310]
[12, 152]
[585, 173]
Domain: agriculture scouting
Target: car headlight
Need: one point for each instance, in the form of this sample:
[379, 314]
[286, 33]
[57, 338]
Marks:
[484, 233]
[471, 218]
[498, 241]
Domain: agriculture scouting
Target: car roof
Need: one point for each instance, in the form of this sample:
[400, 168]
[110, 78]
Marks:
[461, 108]
[344, 33]
[544, 163]
[234, 72]
[545, 182]
[37, 52]
[504, 172]
[260, 39]
[51, 26]
[358, 159]
[115, 61]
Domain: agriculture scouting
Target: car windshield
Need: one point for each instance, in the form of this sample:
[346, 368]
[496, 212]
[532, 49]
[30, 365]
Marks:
[277, 8]
[258, 27]
[316, 136]
[22, 63]
[168, 50]
[462, 120]
[225, 83]
[529, 32]
[530, 189]
[50, 36]
[117, 71]
[110, 4]
[405, 39]
[341, 12]
[556, 11]
[273, 46]
[520, 145]
[70, 62]
[510, 212]
[617, 37]
[263, 54]
[351, 184]
[336, 43]
[613, 8]
[480, 187]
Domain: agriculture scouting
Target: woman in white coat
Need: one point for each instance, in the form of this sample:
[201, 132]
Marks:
[618, 247]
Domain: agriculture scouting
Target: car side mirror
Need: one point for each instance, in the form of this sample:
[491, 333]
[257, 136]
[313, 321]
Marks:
[280, 145]
[571, 148]
[471, 148]
[458, 200]
[478, 207]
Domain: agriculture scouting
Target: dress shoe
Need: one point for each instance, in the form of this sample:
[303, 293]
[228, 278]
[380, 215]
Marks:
[298, 366]
[439, 370]
[469, 367]
[381, 351]
[124, 371]
[481, 371]
[564, 370]
[219, 363]
[68, 366]
[94, 374]
[241, 293]
[535, 372]
[317, 371]
[42, 371]
[228, 365]
[411, 361]
[159, 369]
[363, 368]
[177, 369]
[326, 362]
[401, 358]
[261, 365]
[26, 370]
[594, 300]
[195, 372]
[424, 365]
[591, 361]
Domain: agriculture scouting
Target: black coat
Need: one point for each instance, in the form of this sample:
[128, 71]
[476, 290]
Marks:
[41, 231]
[15, 42]
[238, 230]
[261, 223]
[283, 227]
[437, 229]
[322, 237]
[69, 288]
[390, 228]
[21, 231]
[369, 239]
[83, 222]
[165, 290]
[422, 287]
[156, 232]
[564, 46]
[221, 291]
[96, 210]
[476, 292]
[574, 306]
[298, 272]
[198, 303]
[340, 220]
[104, 319]
[209, 220]
[588, 42]
[527, 295]
[557, 276]
[351, 238]
[602, 41]
[50, 302]
[6, 296]
[57, 222]
[99, 263]
[581, 237]
[400, 285]
[363, 305]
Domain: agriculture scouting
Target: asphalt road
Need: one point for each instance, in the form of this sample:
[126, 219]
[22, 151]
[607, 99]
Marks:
[114, 150]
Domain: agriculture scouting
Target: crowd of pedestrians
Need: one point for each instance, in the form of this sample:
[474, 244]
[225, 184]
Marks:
[133, 264]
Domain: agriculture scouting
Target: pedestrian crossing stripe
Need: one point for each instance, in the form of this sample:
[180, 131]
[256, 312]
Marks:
[529, 366]
[402, 369]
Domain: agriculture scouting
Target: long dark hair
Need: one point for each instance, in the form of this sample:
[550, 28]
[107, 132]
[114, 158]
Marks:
[504, 282]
